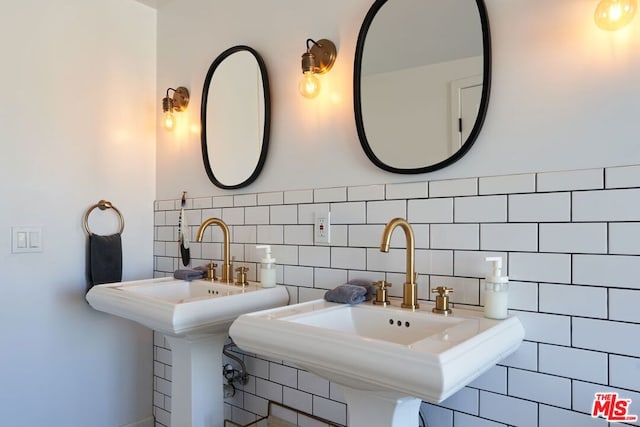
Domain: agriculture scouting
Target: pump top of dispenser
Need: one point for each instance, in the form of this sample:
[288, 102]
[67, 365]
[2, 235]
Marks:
[268, 259]
[496, 272]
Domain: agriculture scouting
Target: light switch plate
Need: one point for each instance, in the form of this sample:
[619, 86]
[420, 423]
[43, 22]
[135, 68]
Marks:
[26, 239]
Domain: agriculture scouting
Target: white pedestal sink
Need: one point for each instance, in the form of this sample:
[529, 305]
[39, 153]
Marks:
[377, 409]
[387, 359]
[195, 316]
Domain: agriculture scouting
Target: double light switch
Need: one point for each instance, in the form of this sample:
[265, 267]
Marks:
[26, 239]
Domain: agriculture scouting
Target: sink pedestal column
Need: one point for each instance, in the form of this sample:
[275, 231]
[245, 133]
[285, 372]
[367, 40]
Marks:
[196, 390]
[379, 409]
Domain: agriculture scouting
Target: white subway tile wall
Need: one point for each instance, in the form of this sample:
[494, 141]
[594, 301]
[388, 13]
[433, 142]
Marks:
[570, 244]
[454, 187]
[409, 190]
[495, 380]
[481, 209]
[507, 184]
[586, 179]
[622, 177]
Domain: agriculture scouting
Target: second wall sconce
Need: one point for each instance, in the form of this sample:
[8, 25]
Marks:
[178, 102]
[612, 15]
[318, 59]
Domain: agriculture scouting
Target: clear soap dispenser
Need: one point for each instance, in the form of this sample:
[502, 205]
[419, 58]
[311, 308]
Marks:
[496, 291]
[267, 268]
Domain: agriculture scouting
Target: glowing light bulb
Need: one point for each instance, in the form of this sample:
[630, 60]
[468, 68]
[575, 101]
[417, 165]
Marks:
[169, 120]
[309, 86]
[612, 15]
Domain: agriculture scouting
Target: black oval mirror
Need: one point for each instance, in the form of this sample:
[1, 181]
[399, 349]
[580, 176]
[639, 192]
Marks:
[422, 76]
[235, 116]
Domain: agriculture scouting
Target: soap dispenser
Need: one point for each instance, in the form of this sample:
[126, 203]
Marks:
[267, 268]
[496, 291]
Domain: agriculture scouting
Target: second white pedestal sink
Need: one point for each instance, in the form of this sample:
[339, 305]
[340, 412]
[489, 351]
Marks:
[195, 316]
[387, 359]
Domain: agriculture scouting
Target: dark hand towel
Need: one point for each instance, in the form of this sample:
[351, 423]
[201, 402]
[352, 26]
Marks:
[367, 284]
[188, 274]
[347, 294]
[105, 259]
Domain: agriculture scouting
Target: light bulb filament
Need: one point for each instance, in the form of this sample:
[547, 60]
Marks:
[169, 120]
[309, 86]
[612, 15]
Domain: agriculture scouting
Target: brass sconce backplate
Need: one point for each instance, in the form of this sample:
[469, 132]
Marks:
[181, 99]
[325, 53]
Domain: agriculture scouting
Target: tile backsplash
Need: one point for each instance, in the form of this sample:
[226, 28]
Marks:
[570, 241]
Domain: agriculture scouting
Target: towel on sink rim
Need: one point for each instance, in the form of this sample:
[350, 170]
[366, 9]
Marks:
[367, 284]
[188, 274]
[347, 294]
[354, 291]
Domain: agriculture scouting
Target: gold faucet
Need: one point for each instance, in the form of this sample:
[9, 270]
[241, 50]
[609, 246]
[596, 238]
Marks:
[410, 290]
[227, 268]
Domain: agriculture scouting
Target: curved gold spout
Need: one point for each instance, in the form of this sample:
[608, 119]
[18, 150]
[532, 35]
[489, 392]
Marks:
[227, 268]
[410, 290]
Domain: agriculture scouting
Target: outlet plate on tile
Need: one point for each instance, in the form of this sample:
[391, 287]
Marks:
[322, 228]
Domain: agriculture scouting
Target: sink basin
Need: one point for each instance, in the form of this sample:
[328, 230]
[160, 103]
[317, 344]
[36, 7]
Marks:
[397, 355]
[369, 322]
[180, 291]
[195, 316]
[180, 308]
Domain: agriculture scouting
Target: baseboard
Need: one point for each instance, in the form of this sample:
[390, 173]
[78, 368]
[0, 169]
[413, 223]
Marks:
[147, 422]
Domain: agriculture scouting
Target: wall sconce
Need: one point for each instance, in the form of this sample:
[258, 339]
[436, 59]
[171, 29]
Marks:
[318, 59]
[178, 103]
[612, 15]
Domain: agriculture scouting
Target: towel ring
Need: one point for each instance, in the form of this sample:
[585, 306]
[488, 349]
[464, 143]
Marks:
[102, 205]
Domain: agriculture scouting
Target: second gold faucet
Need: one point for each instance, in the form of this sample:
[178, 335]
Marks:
[227, 267]
[410, 289]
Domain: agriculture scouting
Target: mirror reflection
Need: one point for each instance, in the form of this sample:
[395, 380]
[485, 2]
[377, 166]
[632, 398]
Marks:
[235, 117]
[421, 82]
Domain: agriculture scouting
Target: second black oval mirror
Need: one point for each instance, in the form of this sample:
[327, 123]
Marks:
[422, 74]
[235, 117]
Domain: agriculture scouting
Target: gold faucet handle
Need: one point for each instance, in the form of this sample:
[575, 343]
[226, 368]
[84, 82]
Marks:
[443, 306]
[242, 276]
[211, 271]
[442, 291]
[383, 284]
[381, 293]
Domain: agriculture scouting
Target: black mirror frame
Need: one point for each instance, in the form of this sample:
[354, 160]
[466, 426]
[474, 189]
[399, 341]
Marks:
[482, 111]
[267, 116]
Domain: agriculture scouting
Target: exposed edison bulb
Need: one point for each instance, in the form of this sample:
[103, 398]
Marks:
[612, 15]
[169, 120]
[309, 85]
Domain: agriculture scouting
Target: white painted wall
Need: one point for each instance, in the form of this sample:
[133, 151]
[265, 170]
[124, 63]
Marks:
[565, 94]
[77, 125]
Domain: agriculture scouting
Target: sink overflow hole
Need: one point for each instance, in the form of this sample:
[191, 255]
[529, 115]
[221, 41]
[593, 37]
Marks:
[399, 323]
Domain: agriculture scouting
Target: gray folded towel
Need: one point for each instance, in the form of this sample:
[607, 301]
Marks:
[347, 294]
[367, 284]
[188, 274]
[104, 259]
